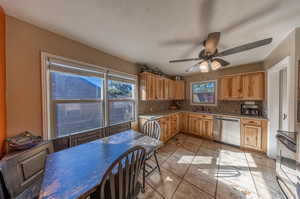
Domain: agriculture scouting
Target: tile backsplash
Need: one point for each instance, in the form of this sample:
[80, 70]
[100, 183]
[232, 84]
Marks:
[153, 106]
[230, 107]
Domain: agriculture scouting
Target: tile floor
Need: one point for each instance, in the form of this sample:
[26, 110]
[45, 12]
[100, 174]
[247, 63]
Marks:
[194, 168]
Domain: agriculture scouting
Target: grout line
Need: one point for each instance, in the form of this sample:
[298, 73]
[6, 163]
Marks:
[195, 186]
[255, 186]
[218, 163]
[176, 188]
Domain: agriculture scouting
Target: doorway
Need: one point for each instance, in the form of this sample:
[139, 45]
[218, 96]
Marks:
[283, 100]
[278, 100]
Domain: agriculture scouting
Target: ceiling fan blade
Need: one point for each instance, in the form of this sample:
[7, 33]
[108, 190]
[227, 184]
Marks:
[212, 42]
[183, 60]
[245, 47]
[221, 61]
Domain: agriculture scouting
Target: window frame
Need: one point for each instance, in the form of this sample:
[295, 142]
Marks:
[48, 107]
[204, 104]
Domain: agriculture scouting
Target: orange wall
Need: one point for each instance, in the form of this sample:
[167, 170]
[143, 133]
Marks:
[2, 82]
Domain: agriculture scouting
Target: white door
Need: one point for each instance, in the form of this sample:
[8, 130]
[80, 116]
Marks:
[283, 100]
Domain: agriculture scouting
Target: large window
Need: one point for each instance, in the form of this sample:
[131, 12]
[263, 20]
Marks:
[76, 102]
[83, 98]
[204, 93]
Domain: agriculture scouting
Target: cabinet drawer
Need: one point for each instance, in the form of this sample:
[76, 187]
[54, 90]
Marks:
[252, 122]
[201, 116]
[209, 117]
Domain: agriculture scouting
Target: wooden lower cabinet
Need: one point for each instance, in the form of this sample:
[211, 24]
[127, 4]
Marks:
[174, 124]
[200, 125]
[253, 131]
[252, 137]
[165, 132]
[254, 134]
[184, 122]
[207, 128]
[194, 125]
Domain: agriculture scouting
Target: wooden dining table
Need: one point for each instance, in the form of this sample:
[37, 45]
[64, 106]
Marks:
[75, 172]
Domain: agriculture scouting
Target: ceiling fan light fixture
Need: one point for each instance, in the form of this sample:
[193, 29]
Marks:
[203, 66]
[215, 65]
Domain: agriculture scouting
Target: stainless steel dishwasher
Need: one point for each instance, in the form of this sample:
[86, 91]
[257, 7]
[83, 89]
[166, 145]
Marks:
[227, 130]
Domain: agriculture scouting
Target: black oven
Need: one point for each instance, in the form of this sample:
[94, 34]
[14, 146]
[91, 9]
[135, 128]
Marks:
[286, 163]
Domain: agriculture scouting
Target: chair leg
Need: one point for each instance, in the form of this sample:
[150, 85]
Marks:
[157, 164]
[144, 177]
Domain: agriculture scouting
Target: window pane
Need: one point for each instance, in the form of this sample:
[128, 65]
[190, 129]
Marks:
[120, 111]
[119, 90]
[76, 117]
[71, 86]
[204, 92]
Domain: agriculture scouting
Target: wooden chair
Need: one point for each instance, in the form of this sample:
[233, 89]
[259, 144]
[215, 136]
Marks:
[121, 179]
[152, 129]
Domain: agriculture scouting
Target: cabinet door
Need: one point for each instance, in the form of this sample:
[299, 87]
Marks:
[254, 86]
[199, 127]
[168, 127]
[225, 88]
[171, 89]
[183, 122]
[207, 128]
[159, 82]
[163, 129]
[152, 87]
[166, 88]
[236, 87]
[174, 124]
[179, 90]
[193, 123]
[252, 137]
[143, 87]
[182, 90]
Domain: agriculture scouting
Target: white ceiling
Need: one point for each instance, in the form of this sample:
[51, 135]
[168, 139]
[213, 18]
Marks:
[155, 31]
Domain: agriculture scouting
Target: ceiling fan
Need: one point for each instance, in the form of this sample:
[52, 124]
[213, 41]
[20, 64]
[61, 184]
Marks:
[209, 57]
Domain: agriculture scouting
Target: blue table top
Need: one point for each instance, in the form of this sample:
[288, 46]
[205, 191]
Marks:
[74, 172]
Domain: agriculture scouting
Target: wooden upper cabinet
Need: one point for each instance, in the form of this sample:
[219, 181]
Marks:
[254, 86]
[249, 86]
[179, 90]
[147, 86]
[225, 88]
[155, 87]
[171, 89]
[166, 85]
[159, 88]
[236, 87]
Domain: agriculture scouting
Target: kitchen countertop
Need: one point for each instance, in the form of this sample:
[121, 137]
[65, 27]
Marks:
[158, 115]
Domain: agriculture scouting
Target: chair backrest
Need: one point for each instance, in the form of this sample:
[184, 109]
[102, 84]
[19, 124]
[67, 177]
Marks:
[152, 129]
[117, 128]
[120, 179]
[23, 171]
